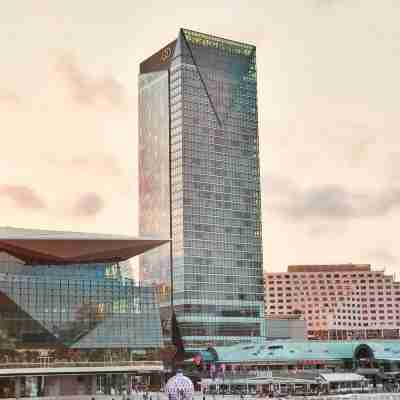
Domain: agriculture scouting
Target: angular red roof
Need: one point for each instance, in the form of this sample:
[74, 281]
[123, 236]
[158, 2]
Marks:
[56, 247]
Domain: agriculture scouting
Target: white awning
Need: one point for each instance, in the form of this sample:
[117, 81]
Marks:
[341, 377]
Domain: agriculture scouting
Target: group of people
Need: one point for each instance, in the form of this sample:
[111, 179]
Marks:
[133, 395]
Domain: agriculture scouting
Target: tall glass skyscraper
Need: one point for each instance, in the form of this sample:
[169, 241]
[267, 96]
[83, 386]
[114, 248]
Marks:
[200, 184]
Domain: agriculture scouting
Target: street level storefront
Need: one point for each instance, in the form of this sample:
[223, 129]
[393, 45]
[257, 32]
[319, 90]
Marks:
[276, 383]
[80, 380]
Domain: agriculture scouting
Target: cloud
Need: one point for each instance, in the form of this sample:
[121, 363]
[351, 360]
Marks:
[87, 89]
[22, 196]
[88, 205]
[329, 201]
[8, 97]
[323, 201]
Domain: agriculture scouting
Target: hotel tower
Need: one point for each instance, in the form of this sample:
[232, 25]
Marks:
[200, 184]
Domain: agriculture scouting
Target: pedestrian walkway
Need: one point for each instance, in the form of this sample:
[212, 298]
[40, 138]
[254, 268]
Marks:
[199, 396]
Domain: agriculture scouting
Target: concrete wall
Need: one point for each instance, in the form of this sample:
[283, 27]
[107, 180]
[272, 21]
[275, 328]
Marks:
[287, 328]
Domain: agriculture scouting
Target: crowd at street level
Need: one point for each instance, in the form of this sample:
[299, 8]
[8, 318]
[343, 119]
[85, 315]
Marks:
[373, 395]
[317, 391]
[376, 395]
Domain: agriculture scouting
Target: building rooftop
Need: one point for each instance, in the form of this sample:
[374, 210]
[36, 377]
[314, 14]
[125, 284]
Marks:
[284, 351]
[35, 246]
[285, 316]
[161, 59]
[329, 268]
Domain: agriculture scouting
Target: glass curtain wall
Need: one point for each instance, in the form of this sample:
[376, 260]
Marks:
[217, 275]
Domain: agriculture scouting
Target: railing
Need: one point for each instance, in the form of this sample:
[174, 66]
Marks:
[226, 375]
[357, 396]
[64, 364]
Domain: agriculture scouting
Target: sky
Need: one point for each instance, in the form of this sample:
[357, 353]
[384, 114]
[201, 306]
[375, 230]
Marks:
[329, 121]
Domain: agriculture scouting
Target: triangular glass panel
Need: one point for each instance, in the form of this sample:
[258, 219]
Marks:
[225, 67]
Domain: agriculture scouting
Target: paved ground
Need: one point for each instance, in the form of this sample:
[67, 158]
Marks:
[198, 396]
[350, 396]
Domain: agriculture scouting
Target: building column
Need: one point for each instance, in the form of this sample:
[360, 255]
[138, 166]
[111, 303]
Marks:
[55, 386]
[94, 384]
[18, 388]
[42, 386]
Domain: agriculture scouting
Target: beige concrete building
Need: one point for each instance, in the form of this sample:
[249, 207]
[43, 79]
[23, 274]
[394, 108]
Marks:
[337, 301]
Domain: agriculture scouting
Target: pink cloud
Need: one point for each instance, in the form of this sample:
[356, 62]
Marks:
[22, 196]
[87, 89]
[88, 205]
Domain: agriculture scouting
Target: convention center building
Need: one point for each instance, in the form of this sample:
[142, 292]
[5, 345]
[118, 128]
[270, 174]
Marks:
[67, 302]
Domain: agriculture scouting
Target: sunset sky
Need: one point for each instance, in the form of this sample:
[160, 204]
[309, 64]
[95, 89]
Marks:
[329, 102]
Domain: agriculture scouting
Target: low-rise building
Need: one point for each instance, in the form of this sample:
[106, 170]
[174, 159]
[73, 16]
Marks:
[301, 367]
[337, 301]
[288, 355]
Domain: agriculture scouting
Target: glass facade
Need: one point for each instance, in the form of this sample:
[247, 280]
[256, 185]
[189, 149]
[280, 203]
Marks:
[77, 306]
[154, 200]
[214, 177]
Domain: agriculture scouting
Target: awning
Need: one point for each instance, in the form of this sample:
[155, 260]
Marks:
[336, 377]
[257, 381]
